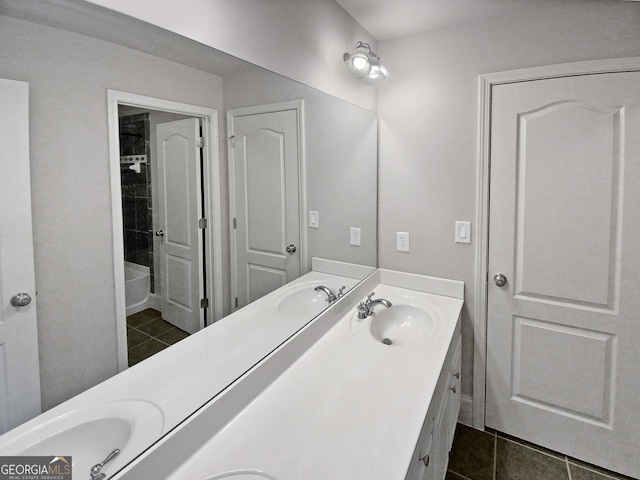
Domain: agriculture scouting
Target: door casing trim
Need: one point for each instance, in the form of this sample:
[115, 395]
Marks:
[485, 84]
[212, 192]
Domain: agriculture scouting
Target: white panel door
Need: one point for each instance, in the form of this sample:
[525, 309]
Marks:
[264, 162]
[19, 367]
[563, 353]
[180, 208]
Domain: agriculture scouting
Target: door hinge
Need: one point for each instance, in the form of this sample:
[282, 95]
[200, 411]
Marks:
[202, 223]
[235, 224]
[232, 139]
[236, 302]
[200, 142]
[204, 303]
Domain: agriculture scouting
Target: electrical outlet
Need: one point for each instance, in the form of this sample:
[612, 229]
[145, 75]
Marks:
[354, 236]
[403, 243]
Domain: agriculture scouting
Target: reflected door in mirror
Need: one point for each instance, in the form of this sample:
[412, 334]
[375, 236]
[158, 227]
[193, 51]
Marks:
[180, 205]
[264, 156]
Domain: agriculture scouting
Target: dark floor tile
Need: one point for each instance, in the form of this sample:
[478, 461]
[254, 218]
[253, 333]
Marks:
[584, 471]
[515, 461]
[173, 336]
[454, 476]
[156, 327]
[145, 350]
[136, 337]
[553, 453]
[143, 317]
[472, 453]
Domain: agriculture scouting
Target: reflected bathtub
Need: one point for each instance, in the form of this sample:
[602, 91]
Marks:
[137, 283]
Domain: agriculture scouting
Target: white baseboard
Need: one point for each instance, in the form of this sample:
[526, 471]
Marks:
[466, 411]
[155, 301]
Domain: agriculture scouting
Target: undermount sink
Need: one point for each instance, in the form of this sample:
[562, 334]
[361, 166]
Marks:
[302, 299]
[91, 433]
[408, 322]
[242, 475]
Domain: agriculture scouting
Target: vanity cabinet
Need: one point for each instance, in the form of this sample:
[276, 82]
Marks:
[431, 456]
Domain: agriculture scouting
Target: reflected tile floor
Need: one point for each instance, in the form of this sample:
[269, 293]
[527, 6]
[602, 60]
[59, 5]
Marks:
[148, 333]
[477, 455]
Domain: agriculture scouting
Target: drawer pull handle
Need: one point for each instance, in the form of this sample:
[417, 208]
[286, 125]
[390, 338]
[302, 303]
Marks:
[457, 375]
[453, 389]
[425, 460]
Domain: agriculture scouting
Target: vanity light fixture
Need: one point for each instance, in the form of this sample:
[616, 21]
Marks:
[364, 63]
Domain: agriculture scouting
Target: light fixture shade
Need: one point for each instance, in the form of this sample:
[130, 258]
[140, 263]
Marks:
[363, 63]
[358, 62]
[378, 72]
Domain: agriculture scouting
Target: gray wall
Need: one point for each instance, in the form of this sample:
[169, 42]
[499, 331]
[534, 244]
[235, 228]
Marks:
[341, 162]
[69, 76]
[428, 124]
[303, 40]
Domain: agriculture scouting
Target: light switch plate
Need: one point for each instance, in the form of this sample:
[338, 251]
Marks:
[403, 242]
[463, 232]
[314, 219]
[354, 236]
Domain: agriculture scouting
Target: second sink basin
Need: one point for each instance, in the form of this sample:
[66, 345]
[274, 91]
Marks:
[401, 325]
[301, 299]
[411, 320]
[90, 433]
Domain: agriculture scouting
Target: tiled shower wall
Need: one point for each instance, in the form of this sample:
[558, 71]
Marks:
[136, 192]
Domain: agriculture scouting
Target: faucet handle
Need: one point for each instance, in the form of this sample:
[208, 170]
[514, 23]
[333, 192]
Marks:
[363, 310]
[370, 295]
[341, 291]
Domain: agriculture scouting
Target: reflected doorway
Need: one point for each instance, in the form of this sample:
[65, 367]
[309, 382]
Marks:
[160, 165]
[167, 247]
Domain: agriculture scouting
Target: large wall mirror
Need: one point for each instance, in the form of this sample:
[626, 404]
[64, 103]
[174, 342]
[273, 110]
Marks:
[72, 54]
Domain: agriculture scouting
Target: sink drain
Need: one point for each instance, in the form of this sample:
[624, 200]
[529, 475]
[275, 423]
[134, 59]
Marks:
[387, 341]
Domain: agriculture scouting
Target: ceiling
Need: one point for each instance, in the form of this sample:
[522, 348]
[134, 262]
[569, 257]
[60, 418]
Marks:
[385, 19]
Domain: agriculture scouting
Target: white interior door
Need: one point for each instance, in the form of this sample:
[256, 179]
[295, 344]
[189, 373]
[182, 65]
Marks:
[180, 238]
[264, 164]
[19, 367]
[563, 353]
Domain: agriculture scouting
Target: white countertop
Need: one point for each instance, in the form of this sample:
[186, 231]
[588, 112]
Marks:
[347, 409]
[180, 379]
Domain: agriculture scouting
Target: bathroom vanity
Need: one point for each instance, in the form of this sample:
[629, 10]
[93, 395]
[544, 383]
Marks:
[349, 396]
[341, 403]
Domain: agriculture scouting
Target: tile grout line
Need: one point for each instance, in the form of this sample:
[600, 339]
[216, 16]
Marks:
[457, 475]
[566, 461]
[495, 455]
[592, 468]
[557, 456]
[151, 337]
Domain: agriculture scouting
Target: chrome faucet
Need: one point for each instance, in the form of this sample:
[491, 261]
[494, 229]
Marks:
[95, 470]
[365, 308]
[331, 297]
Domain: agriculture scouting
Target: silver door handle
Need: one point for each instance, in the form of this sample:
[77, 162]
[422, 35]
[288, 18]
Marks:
[291, 248]
[159, 233]
[500, 280]
[21, 299]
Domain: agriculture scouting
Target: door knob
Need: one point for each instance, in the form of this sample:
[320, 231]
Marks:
[159, 233]
[21, 299]
[291, 248]
[500, 280]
